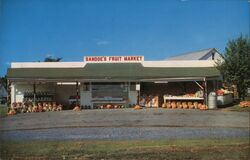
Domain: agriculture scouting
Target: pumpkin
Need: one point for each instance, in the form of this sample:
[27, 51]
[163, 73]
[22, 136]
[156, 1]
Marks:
[35, 108]
[199, 105]
[203, 107]
[184, 105]
[164, 105]
[40, 107]
[29, 109]
[11, 112]
[190, 105]
[77, 108]
[109, 106]
[168, 105]
[178, 105]
[195, 105]
[173, 105]
[54, 107]
[59, 107]
[137, 107]
[50, 107]
[245, 104]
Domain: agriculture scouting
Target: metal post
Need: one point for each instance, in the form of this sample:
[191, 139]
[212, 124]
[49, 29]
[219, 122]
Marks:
[8, 93]
[34, 92]
[138, 88]
[77, 93]
[205, 91]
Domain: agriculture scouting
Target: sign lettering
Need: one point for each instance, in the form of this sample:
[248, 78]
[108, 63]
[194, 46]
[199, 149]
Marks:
[100, 59]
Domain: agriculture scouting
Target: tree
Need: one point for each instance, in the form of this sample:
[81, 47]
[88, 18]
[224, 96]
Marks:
[4, 81]
[235, 68]
[51, 59]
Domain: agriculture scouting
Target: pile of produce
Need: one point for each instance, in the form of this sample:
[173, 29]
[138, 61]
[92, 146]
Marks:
[184, 105]
[244, 104]
[33, 107]
[221, 92]
[109, 106]
[196, 94]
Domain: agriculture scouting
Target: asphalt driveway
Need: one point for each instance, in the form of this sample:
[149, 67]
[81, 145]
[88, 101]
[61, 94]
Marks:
[126, 124]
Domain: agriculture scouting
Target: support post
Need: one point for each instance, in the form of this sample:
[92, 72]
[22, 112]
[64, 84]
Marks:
[138, 88]
[77, 93]
[205, 91]
[34, 92]
[8, 93]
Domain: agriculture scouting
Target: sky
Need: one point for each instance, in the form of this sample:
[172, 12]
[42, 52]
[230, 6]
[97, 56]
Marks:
[31, 30]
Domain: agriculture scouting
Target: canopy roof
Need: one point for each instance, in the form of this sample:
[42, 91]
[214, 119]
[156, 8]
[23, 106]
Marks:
[111, 71]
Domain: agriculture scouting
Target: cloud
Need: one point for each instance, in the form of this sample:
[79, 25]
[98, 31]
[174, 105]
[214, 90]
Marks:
[184, 0]
[101, 42]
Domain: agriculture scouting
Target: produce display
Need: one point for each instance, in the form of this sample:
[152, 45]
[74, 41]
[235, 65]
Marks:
[149, 101]
[184, 105]
[29, 107]
[198, 94]
[222, 91]
[40, 96]
[245, 104]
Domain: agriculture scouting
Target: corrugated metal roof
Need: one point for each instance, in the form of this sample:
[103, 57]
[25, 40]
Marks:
[197, 55]
[128, 71]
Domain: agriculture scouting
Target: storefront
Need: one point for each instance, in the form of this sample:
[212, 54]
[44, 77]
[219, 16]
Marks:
[116, 80]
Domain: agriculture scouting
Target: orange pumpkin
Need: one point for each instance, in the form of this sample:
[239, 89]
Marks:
[190, 105]
[168, 105]
[245, 104]
[11, 112]
[184, 105]
[195, 105]
[137, 107]
[164, 105]
[109, 106]
[77, 108]
[178, 104]
[199, 105]
[173, 105]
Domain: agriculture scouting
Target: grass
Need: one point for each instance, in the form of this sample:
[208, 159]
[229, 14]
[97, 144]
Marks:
[216, 149]
[3, 110]
[237, 108]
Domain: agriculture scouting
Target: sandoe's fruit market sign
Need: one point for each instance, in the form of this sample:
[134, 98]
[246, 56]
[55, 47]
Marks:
[96, 59]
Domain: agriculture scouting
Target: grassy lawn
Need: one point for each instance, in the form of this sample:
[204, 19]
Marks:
[206, 149]
[3, 110]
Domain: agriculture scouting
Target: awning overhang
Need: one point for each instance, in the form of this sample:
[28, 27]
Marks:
[113, 72]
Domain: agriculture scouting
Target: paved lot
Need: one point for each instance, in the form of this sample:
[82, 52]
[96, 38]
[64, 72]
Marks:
[126, 124]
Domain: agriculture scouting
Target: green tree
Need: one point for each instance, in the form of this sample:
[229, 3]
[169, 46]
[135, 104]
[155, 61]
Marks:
[51, 59]
[4, 81]
[235, 68]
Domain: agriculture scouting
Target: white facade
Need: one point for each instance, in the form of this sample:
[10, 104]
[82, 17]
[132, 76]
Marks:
[166, 63]
[61, 93]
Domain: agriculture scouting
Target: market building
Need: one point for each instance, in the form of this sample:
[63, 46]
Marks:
[116, 80]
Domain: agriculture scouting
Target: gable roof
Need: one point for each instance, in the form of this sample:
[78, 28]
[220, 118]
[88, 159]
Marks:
[197, 55]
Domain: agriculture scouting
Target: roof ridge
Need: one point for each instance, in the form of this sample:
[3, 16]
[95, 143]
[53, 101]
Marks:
[185, 53]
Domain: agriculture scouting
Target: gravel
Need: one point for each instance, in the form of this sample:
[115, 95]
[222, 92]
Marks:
[126, 124]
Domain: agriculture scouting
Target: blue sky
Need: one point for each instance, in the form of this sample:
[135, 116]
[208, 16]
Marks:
[30, 30]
